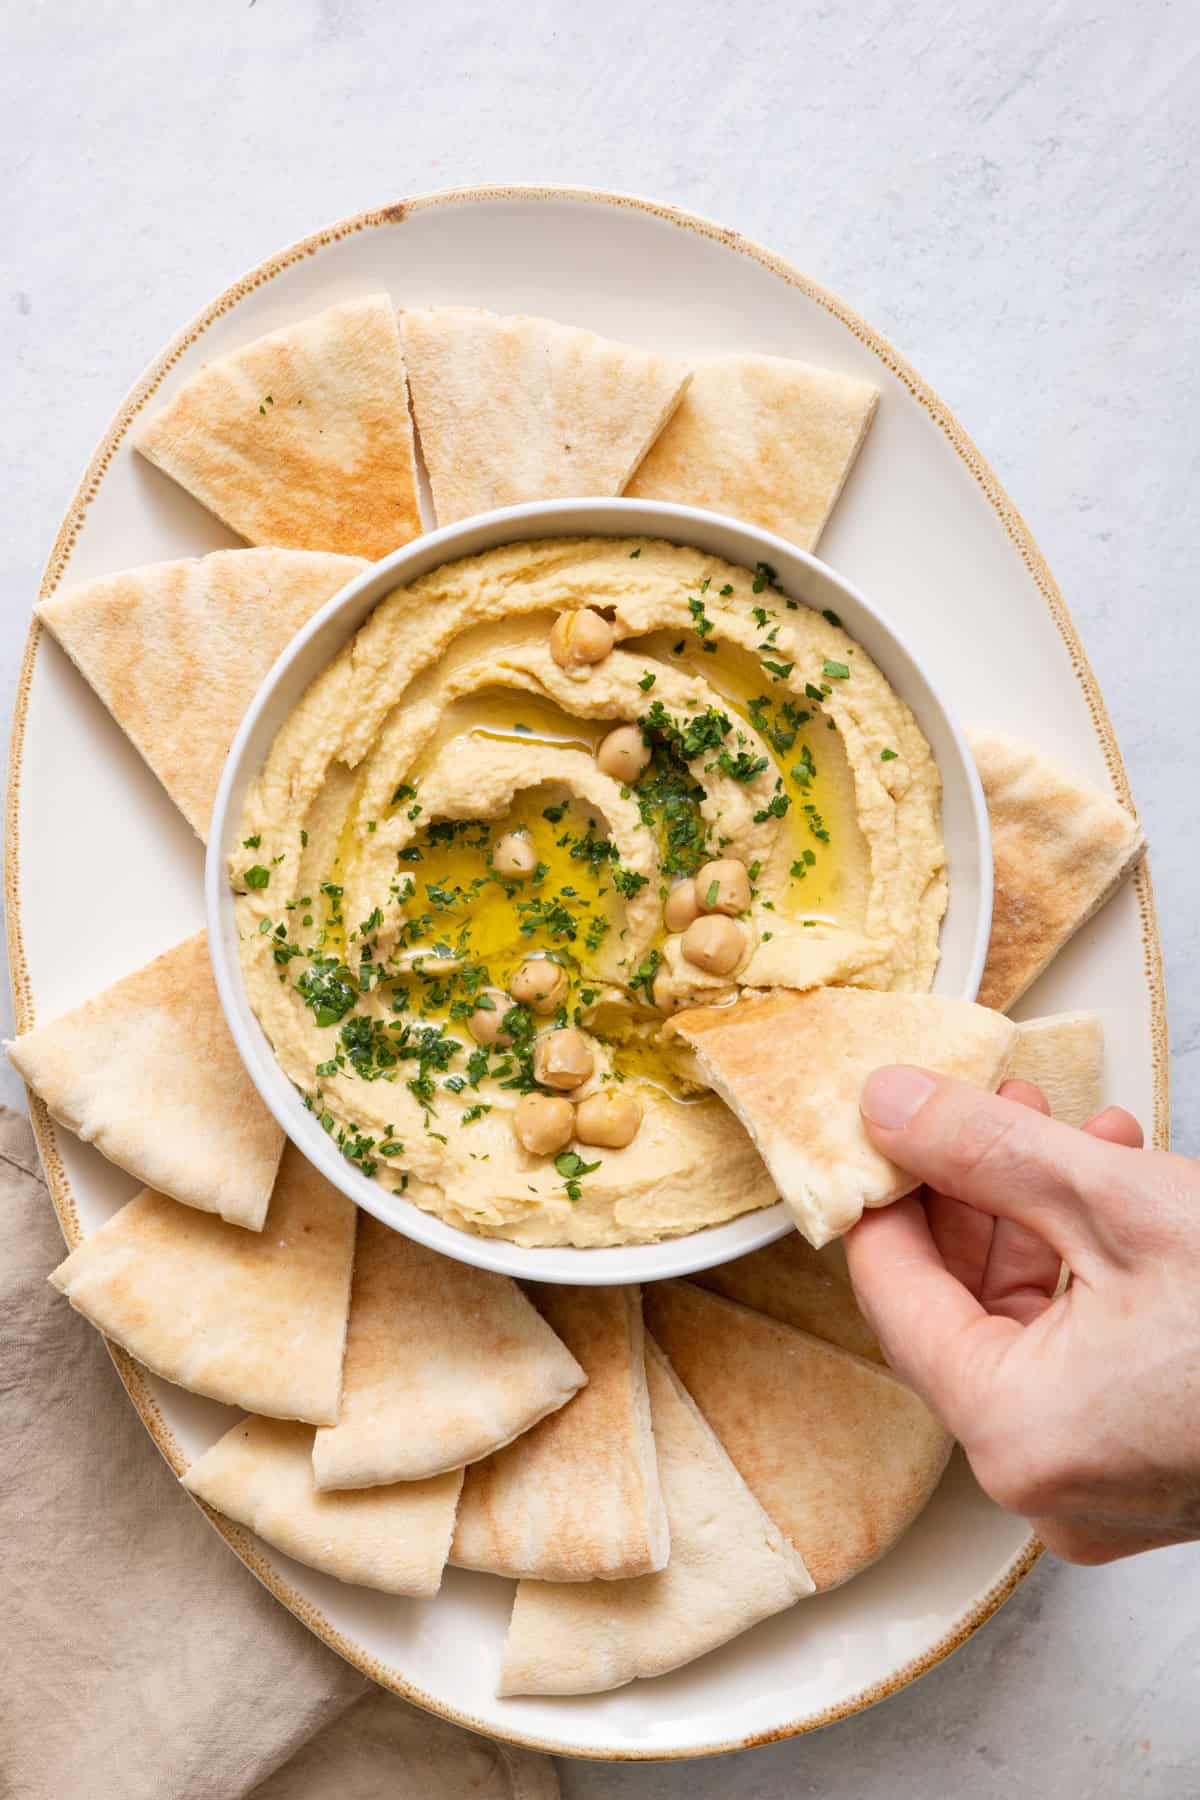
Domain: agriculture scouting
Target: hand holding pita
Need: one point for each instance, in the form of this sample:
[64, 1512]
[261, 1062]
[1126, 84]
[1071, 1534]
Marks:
[1076, 1409]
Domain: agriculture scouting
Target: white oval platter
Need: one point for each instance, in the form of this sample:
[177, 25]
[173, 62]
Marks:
[926, 531]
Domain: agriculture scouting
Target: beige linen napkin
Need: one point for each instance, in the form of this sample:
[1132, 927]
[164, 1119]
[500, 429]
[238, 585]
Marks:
[138, 1659]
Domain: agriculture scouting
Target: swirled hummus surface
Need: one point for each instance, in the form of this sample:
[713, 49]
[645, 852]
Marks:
[383, 928]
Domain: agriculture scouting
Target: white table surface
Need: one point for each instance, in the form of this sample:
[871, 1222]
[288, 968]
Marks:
[1008, 192]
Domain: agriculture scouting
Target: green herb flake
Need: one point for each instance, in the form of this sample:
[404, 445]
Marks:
[634, 554]
[252, 843]
[888, 755]
[828, 613]
[647, 681]
[836, 671]
[257, 876]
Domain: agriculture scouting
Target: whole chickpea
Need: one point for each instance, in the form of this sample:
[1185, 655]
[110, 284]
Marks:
[715, 944]
[484, 1023]
[728, 881]
[562, 1059]
[543, 1123]
[540, 984]
[611, 1119]
[681, 906]
[514, 856]
[578, 639]
[623, 754]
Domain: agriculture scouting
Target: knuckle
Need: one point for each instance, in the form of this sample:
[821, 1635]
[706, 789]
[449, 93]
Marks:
[977, 1143]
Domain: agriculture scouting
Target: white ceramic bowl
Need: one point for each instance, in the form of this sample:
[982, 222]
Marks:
[964, 824]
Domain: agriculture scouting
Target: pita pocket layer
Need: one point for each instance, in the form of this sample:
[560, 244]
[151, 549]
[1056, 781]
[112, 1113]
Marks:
[513, 409]
[302, 438]
[254, 1319]
[177, 651]
[840, 1453]
[761, 438]
[392, 1538]
[148, 1072]
[1060, 849]
[444, 1364]
[730, 1567]
[800, 1286]
[792, 1067]
[1064, 1056]
[578, 1497]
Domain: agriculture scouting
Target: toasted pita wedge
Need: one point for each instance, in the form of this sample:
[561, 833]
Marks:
[800, 1286]
[730, 1567]
[392, 1538]
[148, 1072]
[444, 1364]
[762, 438]
[255, 1319]
[839, 1452]
[1060, 849]
[526, 409]
[792, 1067]
[1064, 1056]
[177, 650]
[578, 1497]
[301, 438]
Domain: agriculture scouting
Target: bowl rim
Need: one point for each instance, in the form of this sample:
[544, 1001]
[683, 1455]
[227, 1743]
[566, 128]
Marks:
[686, 1254]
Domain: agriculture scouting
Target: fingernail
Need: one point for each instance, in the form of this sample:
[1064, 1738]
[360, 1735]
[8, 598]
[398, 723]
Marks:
[891, 1097]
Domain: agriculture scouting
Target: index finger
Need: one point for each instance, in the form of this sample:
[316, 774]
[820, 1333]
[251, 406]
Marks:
[935, 1334]
[999, 1156]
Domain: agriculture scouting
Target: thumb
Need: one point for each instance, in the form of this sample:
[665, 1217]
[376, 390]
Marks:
[997, 1155]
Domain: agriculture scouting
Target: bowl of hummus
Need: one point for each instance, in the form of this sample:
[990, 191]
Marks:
[520, 793]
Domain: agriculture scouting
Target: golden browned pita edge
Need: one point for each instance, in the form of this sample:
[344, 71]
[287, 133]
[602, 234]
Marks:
[1060, 849]
[837, 1450]
[254, 1319]
[177, 651]
[148, 1072]
[391, 1538]
[1064, 1056]
[577, 1498]
[730, 1567]
[800, 1286]
[792, 1067]
[302, 438]
[444, 1364]
[761, 438]
[512, 409]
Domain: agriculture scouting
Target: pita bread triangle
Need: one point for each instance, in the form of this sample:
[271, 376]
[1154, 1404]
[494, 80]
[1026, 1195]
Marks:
[444, 1364]
[512, 409]
[255, 1319]
[177, 651]
[392, 1538]
[837, 1451]
[1060, 849]
[578, 1497]
[792, 1067]
[730, 1568]
[148, 1072]
[1064, 1056]
[301, 438]
[800, 1286]
[761, 438]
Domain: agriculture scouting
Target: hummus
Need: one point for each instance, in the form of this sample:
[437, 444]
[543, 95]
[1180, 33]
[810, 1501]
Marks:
[380, 921]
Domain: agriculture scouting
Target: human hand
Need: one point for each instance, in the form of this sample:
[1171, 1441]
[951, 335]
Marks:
[1081, 1411]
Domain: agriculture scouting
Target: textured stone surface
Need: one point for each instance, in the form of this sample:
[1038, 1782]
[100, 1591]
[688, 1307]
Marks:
[1009, 193]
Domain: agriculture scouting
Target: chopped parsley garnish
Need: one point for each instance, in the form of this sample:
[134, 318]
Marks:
[888, 755]
[774, 809]
[634, 554]
[647, 681]
[570, 1165]
[710, 898]
[628, 881]
[828, 613]
[251, 843]
[743, 766]
[778, 671]
[257, 876]
[647, 969]
[836, 671]
[329, 988]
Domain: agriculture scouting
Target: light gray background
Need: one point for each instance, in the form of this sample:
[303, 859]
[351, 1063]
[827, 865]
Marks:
[1009, 192]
